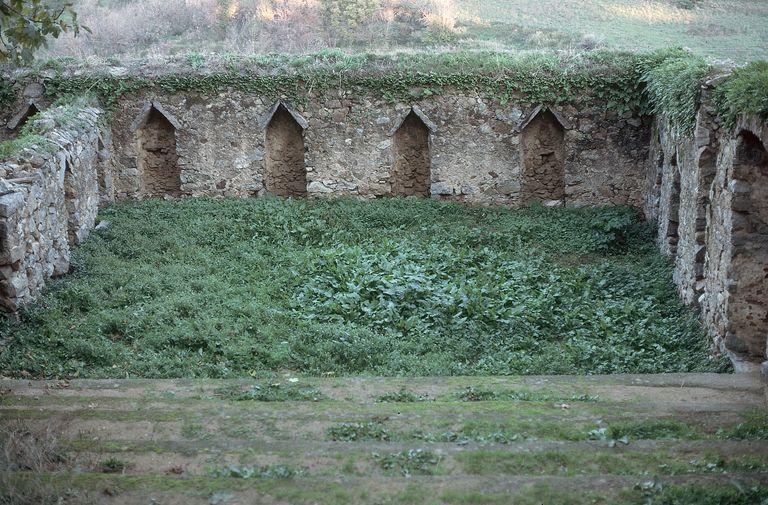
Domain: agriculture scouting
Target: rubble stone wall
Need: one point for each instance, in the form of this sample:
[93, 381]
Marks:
[49, 198]
[713, 223]
[352, 146]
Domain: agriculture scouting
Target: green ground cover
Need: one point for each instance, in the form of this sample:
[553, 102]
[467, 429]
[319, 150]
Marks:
[231, 288]
[735, 29]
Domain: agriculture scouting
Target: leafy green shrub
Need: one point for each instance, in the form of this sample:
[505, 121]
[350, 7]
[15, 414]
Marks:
[744, 92]
[615, 228]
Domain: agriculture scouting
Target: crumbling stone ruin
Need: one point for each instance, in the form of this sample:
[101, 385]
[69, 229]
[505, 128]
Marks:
[410, 175]
[711, 212]
[707, 191]
[22, 116]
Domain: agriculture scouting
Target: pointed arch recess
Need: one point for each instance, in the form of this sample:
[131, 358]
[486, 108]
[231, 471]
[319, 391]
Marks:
[748, 272]
[543, 154]
[285, 164]
[412, 155]
[158, 160]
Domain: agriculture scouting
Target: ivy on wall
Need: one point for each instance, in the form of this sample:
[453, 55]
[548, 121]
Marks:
[666, 82]
[605, 77]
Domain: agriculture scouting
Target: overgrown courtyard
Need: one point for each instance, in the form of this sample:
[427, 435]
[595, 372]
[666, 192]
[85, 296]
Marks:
[236, 288]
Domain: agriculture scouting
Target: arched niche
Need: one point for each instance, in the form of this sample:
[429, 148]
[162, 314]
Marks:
[655, 176]
[285, 164]
[707, 166]
[158, 160]
[543, 150]
[748, 273]
[673, 206]
[411, 171]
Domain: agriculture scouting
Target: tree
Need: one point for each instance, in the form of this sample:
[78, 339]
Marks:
[344, 17]
[25, 26]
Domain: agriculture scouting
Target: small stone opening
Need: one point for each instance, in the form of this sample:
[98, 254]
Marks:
[15, 124]
[286, 172]
[412, 158]
[543, 143]
[748, 304]
[158, 159]
[31, 111]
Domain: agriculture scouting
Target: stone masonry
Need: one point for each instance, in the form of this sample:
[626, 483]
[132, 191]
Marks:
[49, 198]
[713, 223]
[475, 151]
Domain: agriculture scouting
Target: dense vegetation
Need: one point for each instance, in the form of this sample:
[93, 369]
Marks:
[235, 287]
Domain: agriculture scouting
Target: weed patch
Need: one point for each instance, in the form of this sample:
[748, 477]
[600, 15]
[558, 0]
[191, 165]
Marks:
[402, 396]
[650, 429]
[472, 394]
[410, 462]
[113, 465]
[274, 392]
[755, 427]
[258, 472]
[347, 287]
[353, 432]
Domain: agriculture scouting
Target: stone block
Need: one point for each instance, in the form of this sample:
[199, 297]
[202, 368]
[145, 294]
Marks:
[10, 203]
[441, 189]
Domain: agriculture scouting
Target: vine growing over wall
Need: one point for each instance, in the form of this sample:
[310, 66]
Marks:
[609, 78]
[666, 82]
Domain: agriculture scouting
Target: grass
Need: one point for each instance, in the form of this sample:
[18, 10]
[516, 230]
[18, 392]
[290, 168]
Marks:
[754, 427]
[736, 29]
[238, 288]
[257, 472]
[402, 395]
[572, 463]
[274, 392]
[472, 394]
[113, 465]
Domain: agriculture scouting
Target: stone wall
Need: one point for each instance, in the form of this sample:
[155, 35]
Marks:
[49, 197]
[354, 142]
[713, 223]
